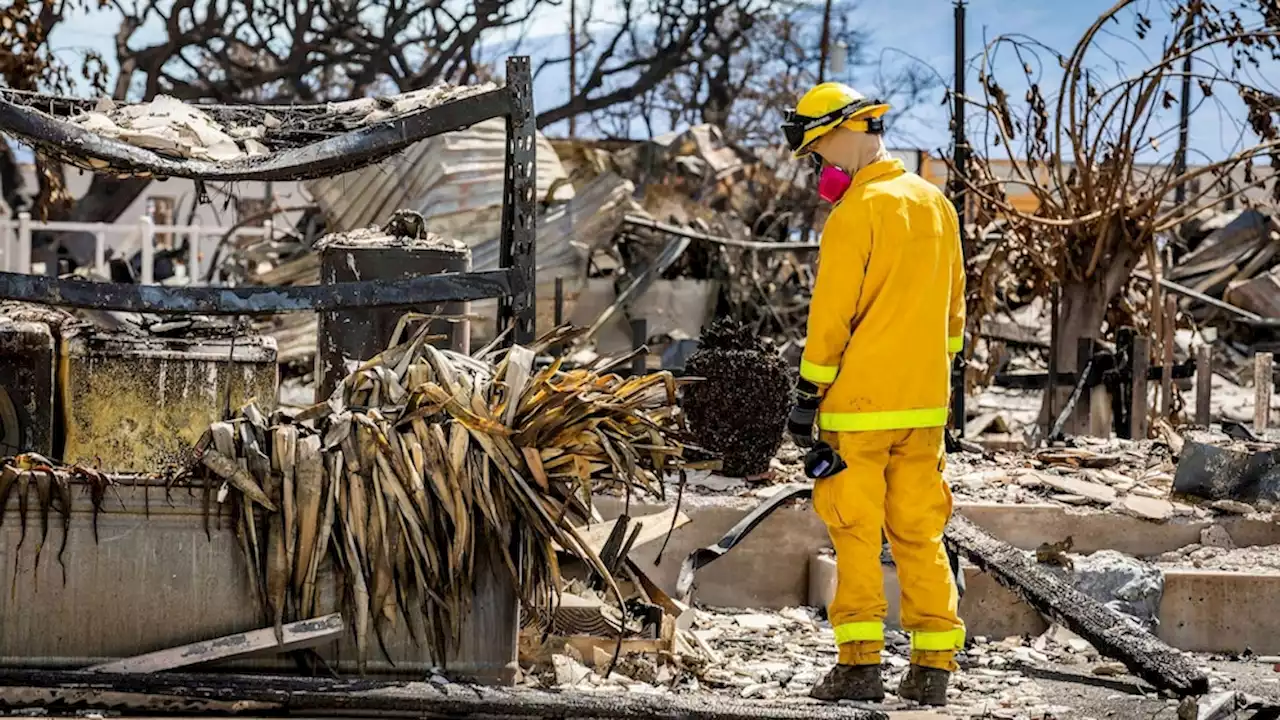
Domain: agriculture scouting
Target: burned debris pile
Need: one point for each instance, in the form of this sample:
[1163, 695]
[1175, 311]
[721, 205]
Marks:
[739, 407]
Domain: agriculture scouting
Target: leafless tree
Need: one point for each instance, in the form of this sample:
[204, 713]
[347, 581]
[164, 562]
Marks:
[1077, 149]
[739, 66]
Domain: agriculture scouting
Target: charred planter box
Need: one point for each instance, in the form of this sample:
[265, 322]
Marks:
[161, 573]
[27, 362]
[138, 404]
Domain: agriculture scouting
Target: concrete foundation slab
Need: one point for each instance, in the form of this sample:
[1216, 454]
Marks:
[770, 569]
[776, 567]
[1220, 611]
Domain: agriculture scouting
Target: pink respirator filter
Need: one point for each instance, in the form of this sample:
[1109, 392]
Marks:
[832, 183]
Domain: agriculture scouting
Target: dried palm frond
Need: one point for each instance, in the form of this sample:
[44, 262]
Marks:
[422, 461]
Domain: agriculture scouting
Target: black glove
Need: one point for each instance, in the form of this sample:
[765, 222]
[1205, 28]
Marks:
[803, 413]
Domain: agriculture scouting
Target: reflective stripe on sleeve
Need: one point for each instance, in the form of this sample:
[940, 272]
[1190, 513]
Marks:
[955, 344]
[821, 374]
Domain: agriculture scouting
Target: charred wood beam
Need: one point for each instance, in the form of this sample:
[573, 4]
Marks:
[172, 692]
[249, 300]
[1107, 630]
[1067, 378]
[1244, 316]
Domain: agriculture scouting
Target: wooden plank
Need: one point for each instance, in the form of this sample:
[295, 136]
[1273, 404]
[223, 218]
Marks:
[1166, 374]
[1107, 630]
[1204, 384]
[296, 636]
[1138, 410]
[170, 692]
[1010, 332]
[1100, 419]
[652, 527]
[1079, 422]
[1263, 389]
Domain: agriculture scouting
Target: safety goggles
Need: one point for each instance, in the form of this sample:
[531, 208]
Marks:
[795, 126]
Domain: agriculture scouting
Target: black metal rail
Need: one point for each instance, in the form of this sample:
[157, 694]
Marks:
[513, 285]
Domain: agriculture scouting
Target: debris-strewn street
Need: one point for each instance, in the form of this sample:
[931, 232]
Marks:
[773, 655]
[474, 361]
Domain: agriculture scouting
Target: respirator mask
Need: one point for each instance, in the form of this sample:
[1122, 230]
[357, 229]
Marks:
[832, 181]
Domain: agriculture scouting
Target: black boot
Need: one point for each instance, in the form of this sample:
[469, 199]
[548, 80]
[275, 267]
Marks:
[850, 682]
[925, 685]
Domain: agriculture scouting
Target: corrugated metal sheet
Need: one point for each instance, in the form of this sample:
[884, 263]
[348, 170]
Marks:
[566, 236]
[569, 232]
[455, 179]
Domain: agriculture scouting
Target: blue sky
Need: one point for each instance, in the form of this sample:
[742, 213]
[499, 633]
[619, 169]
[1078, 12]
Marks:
[901, 31]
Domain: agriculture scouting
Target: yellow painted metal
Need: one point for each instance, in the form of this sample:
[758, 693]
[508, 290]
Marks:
[140, 403]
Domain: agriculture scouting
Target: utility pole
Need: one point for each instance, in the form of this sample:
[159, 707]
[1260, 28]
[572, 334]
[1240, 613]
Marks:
[1184, 125]
[826, 40]
[961, 161]
[573, 65]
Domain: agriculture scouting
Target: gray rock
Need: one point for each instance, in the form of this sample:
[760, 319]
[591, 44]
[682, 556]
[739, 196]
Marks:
[1216, 536]
[1121, 582]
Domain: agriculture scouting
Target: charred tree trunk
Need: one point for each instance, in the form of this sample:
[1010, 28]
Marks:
[1082, 314]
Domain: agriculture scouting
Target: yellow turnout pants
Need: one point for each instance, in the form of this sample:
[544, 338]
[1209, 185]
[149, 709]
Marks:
[893, 481]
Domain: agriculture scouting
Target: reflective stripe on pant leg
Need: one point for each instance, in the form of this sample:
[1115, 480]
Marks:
[938, 640]
[937, 649]
[856, 631]
[860, 643]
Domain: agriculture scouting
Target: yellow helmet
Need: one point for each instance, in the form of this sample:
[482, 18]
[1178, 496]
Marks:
[826, 107]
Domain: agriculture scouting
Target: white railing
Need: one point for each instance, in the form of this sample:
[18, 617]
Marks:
[16, 234]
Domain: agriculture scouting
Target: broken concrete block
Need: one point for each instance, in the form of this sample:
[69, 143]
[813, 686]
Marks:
[1147, 508]
[1121, 582]
[1216, 536]
[139, 403]
[569, 671]
[1234, 507]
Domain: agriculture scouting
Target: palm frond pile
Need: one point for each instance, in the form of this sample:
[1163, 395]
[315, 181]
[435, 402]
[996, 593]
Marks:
[423, 461]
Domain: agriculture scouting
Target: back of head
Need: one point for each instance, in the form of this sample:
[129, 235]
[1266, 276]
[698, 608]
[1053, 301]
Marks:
[852, 150]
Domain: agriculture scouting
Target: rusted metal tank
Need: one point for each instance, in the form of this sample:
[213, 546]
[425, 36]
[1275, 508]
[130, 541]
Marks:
[138, 403]
[400, 250]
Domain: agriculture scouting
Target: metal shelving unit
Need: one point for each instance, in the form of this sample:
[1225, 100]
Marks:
[513, 285]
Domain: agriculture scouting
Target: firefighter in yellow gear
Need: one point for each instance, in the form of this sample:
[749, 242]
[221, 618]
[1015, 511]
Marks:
[885, 323]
